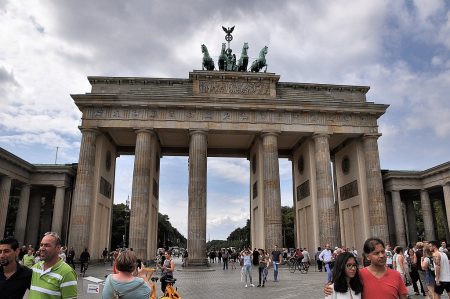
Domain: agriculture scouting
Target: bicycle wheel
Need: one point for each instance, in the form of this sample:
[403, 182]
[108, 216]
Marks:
[292, 266]
[303, 268]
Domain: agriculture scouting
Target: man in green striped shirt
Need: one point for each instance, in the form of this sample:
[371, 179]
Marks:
[28, 259]
[52, 278]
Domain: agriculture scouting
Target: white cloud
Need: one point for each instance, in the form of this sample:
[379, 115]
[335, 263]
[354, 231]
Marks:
[231, 170]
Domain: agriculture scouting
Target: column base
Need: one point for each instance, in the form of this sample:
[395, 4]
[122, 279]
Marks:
[197, 263]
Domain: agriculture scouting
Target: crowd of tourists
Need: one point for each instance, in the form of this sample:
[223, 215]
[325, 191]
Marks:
[45, 273]
[387, 272]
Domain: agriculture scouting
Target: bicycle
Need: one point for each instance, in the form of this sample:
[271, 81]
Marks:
[149, 274]
[84, 267]
[294, 265]
[171, 292]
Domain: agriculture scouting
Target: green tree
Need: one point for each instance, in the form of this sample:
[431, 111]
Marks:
[240, 237]
[120, 217]
[288, 221]
[167, 235]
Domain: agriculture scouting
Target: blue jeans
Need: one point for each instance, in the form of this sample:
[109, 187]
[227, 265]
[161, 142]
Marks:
[328, 270]
[275, 270]
[248, 271]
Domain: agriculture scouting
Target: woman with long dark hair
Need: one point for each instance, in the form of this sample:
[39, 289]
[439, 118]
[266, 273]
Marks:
[346, 280]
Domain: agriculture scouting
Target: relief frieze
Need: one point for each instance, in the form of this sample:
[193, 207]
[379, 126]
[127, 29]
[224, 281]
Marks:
[245, 116]
[234, 88]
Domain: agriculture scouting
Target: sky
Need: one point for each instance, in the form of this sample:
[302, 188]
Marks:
[398, 48]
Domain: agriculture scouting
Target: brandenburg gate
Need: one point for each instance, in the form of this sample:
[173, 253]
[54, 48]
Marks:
[329, 132]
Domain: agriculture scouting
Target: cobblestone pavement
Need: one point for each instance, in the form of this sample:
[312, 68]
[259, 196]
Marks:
[226, 284]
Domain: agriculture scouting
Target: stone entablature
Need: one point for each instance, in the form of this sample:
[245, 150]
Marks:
[223, 115]
[402, 180]
[35, 174]
[234, 100]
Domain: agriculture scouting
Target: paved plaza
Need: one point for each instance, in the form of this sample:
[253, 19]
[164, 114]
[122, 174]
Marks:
[223, 284]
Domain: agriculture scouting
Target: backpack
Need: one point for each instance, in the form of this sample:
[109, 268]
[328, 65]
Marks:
[118, 295]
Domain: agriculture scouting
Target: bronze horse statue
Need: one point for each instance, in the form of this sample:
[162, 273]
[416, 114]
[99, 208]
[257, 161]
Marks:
[223, 58]
[208, 62]
[243, 61]
[259, 63]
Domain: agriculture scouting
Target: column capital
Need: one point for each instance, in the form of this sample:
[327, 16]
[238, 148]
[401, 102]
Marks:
[198, 131]
[144, 130]
[319, 135]
[446, 184]
[88, 129]
[371, 135]
[270, 133]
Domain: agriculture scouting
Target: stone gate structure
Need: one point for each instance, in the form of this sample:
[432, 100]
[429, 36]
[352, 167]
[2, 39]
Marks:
[329, 132]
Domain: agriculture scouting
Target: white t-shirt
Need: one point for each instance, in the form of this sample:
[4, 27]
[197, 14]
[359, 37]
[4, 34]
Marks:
[445, 268]
[337, 295]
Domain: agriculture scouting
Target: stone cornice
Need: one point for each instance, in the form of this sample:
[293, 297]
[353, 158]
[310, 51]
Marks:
[94, 80]
[142, 101]
[326, 87]
[68, 169]
[416, 174]
[13, 159]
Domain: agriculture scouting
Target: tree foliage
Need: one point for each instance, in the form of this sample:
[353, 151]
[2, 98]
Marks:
[168, 236]
[240, 237]
[119, 218]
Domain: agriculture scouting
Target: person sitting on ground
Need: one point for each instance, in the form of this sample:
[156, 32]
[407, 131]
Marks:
[124, 283]
[346, 280]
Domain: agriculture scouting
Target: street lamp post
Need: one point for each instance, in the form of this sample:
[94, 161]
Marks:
[127, 210]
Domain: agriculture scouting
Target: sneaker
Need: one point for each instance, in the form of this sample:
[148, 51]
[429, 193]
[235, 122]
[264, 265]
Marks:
[246, 285]
[263, 285]
[252, 285]
[258, 285]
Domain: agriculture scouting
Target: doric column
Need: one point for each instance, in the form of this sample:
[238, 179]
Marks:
[58, 209]
[198, 153]
[325, 201]
[84, 192]
[398, 218]
[22, 214]
[272, 196]
[411, 220]
[375, 192]
[441, 206]
[427, 213]
[5, 190]
[446, 189]
[140, 195]
[390, 217]
[34, 215]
